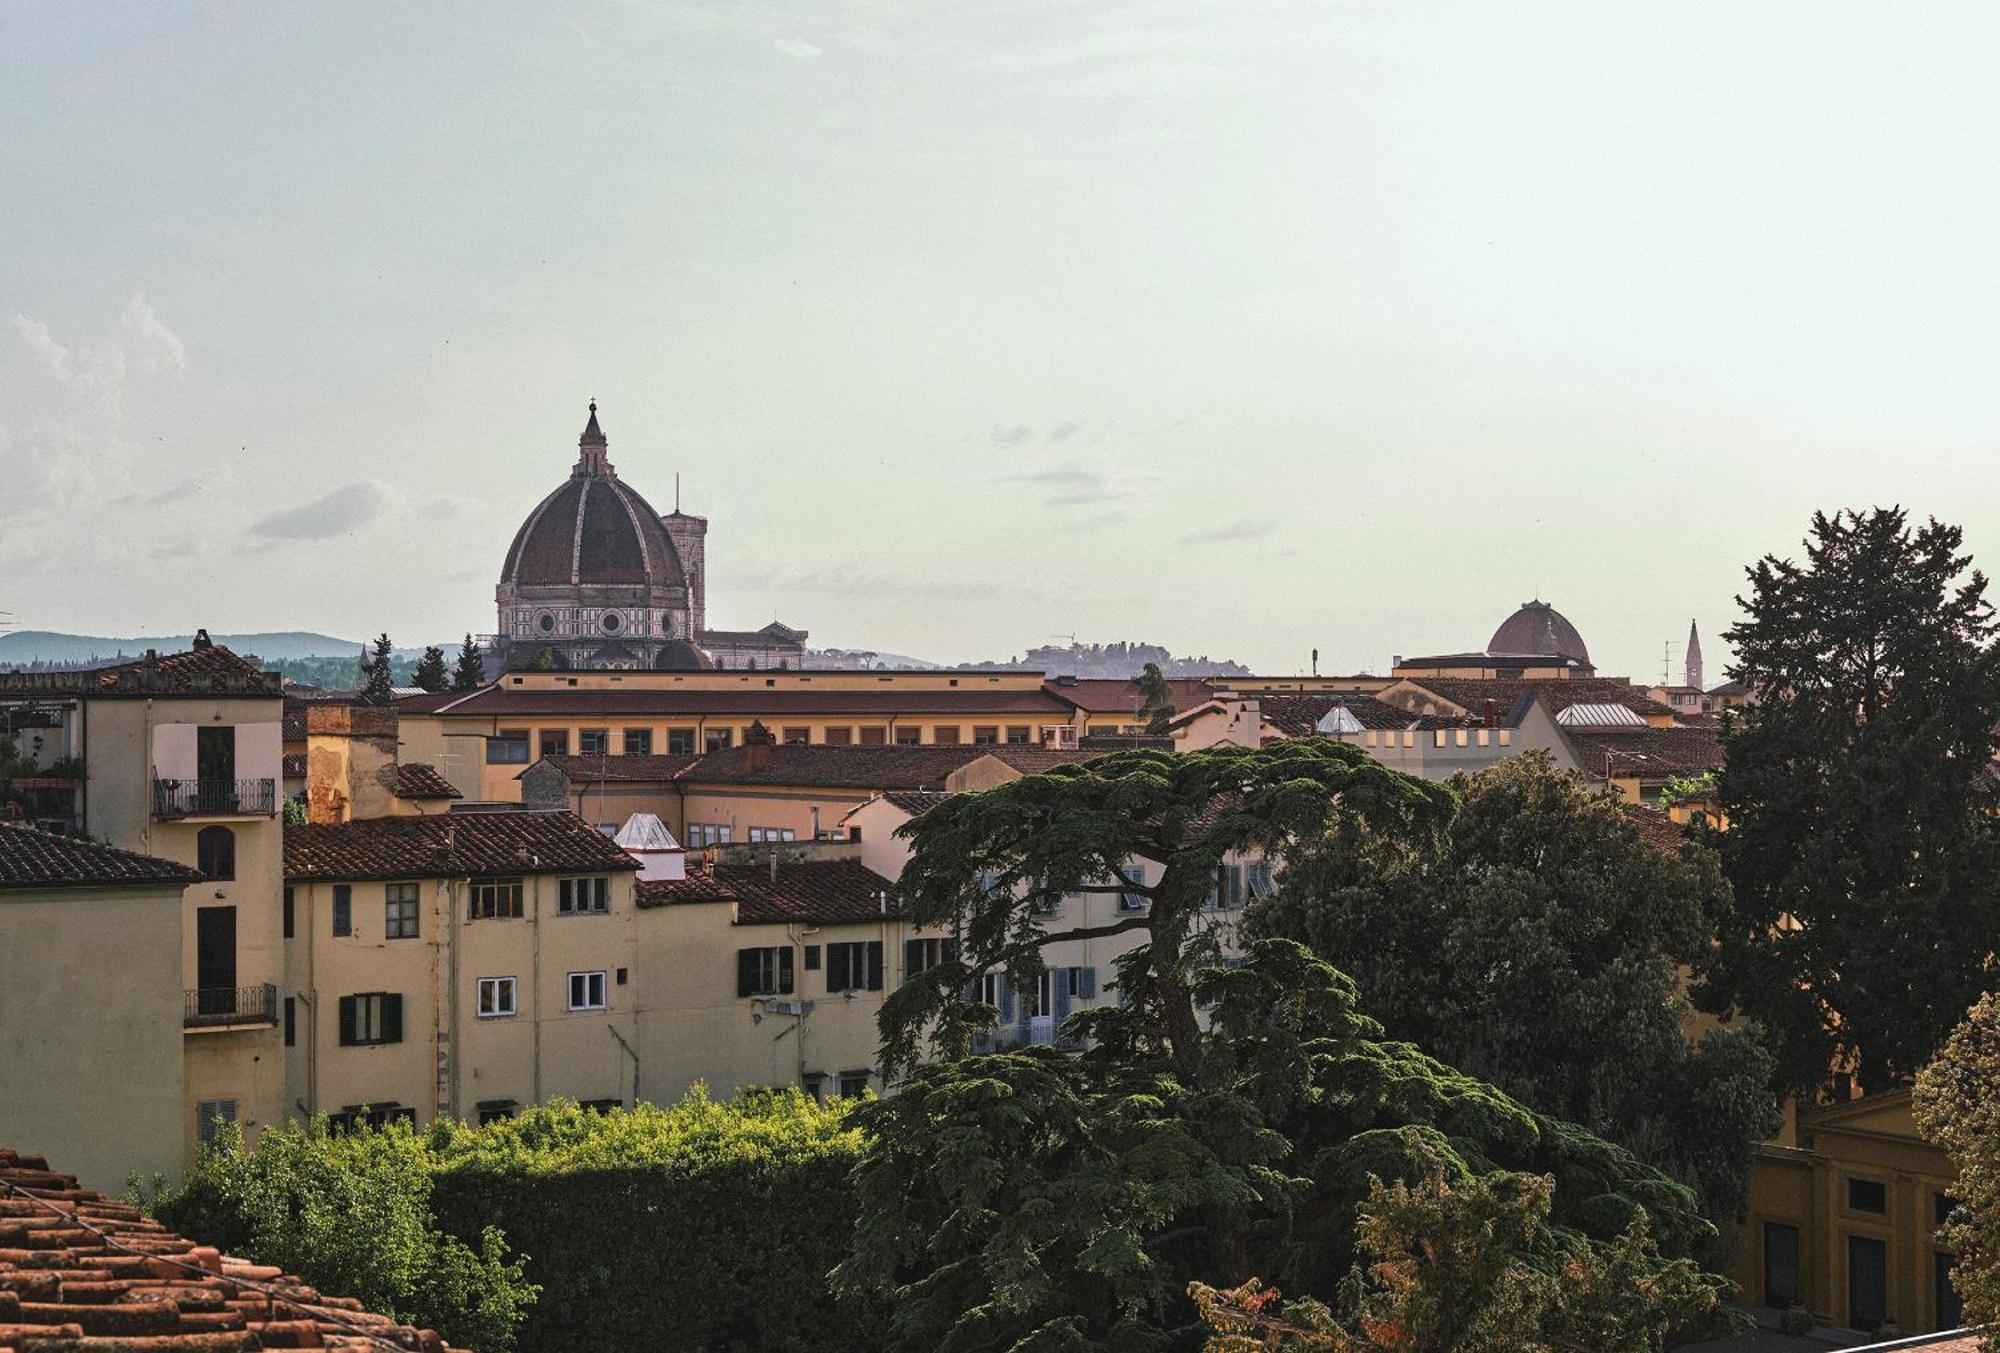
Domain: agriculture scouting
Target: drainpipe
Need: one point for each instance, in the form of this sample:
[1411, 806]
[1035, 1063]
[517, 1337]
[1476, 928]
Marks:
[631, 1052]
[535, 972]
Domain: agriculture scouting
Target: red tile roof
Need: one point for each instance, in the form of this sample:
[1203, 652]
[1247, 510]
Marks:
[1649, 753]
[771, 704]
[1298, 716]
[823, 891]
[417, 782]
[914, 801]
[1655, 828]
[651, 768]
[1109, 695]
[450, 845]
[857, 767]
[81, 1272]
[205, 669]
[32, 858]
[1559, 693]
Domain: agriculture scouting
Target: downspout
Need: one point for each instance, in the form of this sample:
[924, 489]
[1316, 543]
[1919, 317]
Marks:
[312, 1006]
[631, 1052]
[83, 755]
[535, 973]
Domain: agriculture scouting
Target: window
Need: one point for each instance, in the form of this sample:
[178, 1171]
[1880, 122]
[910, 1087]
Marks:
[555, 742]
[593, 741]
[814, 1084]
[1081, 982]
[586, 991]
[1257, 879]
[991, 989]
[1132, 873]
[493, 900]
[720, 739]
[945, 735]
[680, 742]
[708, 834]
[1039, 999]
[853, 1084]
[399, 911]
[210, 1115]
[496, 1110]
[289, 916]
[771, 835]
[764, 972]
[874, 736]
[1019, 734]
[508, 747]
[291, 1021]
[794, 733]
[840, 737]
[907, 737]
[1867, 1195]
[496, 997]
[343, 909]
[574, 897]
[812, 958]
[638, 742]
[1781, 1265]
[215, 853]
[1867, 1282]
[622, 975]
[370, 1116]
[921, 954]
[371, 1018]
[985, 735]
[854, 966]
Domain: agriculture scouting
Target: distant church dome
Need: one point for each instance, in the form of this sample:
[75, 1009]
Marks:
[1539, 628]
[594, 529]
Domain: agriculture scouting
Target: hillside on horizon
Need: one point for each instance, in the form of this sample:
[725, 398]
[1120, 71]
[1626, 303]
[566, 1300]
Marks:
[23, 647]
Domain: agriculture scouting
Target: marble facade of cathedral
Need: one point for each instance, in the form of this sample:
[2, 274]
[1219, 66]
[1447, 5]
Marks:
[597, 579]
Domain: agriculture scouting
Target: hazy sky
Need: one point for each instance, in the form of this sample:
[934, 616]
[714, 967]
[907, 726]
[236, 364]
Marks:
[1243, 328]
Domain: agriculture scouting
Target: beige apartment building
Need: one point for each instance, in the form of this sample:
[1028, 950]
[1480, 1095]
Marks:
[178, 757]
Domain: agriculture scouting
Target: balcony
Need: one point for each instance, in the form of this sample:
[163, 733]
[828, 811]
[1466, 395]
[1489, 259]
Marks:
[214, 798]
[230, 1007]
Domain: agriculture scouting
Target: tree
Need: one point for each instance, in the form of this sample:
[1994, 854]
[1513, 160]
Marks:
[1957, 1105]
[1861, 848]
[1537, 943]
[470, 673]
[1156, 699]
[377, 684]
[1225, 1119]
[430, 673]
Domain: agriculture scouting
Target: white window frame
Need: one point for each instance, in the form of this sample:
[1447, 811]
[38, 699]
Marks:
[583, 896]
[591, 978]
[510, 985]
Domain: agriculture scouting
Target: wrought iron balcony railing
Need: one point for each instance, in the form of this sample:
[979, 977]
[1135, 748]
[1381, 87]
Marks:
[220, 1007]
[214, 798]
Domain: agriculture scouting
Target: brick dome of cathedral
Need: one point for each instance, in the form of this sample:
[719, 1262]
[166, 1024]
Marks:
[593, 530]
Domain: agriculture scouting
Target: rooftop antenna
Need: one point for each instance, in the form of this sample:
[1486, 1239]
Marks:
[677, 493]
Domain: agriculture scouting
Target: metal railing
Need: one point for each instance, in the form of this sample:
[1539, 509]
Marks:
[214, 1007]
[214, 798]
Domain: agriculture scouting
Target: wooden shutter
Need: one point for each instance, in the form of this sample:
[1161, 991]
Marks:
[785, 971]
[392, 1017]
[746, 971]
[1087, 984]
[346, 1021]
[874, 965]
[913, 957]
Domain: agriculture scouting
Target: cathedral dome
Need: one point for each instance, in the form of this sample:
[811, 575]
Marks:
[594, 530]
[1540, 629]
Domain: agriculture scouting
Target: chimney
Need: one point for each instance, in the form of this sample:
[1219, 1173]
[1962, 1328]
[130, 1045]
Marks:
[757, 742]
[1491, 714]
[774, 866]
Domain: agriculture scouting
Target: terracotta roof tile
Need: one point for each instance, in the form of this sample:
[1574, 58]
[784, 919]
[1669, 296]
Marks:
[771, 705]
[31, 858]
[449, 845]
[82, 1271]
[804, 890]
[856, 767]
[1649, 753]
[1298, 716]
[205, 669]
[1120, 695]
[417, 782]
[618, 769]
[1471, 693]
[1655, 827]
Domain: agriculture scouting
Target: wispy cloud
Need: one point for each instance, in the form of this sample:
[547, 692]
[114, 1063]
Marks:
[1242, 528]
[347, 508]
[1062, 432]
[1013, 436]
[799, 49]
[154, 346]
[1071, 485]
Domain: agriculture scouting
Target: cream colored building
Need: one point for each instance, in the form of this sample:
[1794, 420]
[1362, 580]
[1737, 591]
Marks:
[91, 1059]
[180, 758]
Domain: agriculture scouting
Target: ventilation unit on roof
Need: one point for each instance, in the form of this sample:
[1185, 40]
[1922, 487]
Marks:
[1339, 720]
[1599, 716]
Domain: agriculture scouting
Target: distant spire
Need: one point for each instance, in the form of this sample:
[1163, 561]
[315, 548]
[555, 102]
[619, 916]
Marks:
[592, 434]
[1692, 676]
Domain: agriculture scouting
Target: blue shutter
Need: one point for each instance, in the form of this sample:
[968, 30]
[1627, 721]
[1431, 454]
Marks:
[1062, 981]
[1006, 1000]
[1087, 984]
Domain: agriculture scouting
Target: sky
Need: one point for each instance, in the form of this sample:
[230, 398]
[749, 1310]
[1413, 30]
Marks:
[1248, 329]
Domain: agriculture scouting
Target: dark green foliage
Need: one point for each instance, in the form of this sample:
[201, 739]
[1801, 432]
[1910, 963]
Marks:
[470, 672]
[1035, 1201]
[429, 672]
[1535, 943]
[1957, 1104]
[1861, 848]
[377, 673]
[1156, 699]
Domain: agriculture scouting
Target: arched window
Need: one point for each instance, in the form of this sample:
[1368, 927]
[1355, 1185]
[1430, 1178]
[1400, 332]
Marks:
[215, 852]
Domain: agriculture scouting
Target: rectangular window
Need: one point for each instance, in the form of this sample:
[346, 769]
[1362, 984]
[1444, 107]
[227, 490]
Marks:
[840, 737]
[638, 742]
[680, 742]
[288, 913]
[576, 897]
[508, 747]
[1082, 983]
[210, 1115]
[720, 739]
[1132, 873]
[371, 1018]
[1019, 734]
[921, 954]
[795, 733]
[1867, 1282]
[985, 735]
[343, 909]
[853, 1084]
[1039, 999]
[291, 1021]
[370, 1116]
[1781, 1265]
[399, 911]
[493, 900]
[772, 835]
[874, 736]
[496, 1111]
[1867, 1195]
[555, 742]
[812, 958]
[764, 972]
[496, 997]
[854, 966]
[907, 736]
[945, 735]
[593, 741]
[586, 991]
[702, 834]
